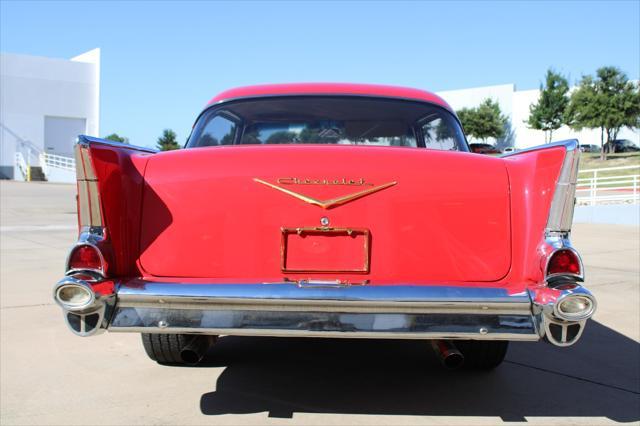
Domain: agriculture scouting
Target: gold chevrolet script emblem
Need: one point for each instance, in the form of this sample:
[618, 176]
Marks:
[326, 204]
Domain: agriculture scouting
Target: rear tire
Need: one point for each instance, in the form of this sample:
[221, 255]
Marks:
[482, 354]
[167, 348]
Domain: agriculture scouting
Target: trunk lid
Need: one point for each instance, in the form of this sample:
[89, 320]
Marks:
[419, 215]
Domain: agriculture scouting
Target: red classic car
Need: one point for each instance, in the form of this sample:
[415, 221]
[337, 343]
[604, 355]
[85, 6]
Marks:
[326, 210]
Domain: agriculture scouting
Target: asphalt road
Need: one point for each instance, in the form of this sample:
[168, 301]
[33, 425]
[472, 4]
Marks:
[49, 376]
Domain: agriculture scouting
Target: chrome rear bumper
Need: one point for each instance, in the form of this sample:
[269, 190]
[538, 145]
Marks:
[324, 309]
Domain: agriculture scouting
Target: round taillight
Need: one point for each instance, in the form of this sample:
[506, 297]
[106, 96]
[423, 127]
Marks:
[85, 257]
[564, 262]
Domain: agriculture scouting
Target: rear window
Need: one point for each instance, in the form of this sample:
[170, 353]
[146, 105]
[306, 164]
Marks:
[329, 120]
[219, 130]
[330, 132]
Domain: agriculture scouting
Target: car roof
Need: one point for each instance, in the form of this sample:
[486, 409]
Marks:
[320, 89]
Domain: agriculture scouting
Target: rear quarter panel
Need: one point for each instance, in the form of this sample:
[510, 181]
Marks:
[120, 172]
[532, 180]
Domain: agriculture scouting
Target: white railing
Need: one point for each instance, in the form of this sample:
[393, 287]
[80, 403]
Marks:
[60, 166]
[22, 166]
[607, 186]
[59, 161]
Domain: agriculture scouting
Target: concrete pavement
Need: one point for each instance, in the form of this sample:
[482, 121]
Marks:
[49, 376]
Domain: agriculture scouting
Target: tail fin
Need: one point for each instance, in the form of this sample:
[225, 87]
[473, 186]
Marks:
[110, 180]
[561, 159]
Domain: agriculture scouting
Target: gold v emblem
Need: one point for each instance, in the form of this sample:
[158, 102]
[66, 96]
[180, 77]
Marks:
[328, 203]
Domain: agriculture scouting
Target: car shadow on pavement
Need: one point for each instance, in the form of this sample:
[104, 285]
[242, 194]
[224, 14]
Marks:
[598, 377]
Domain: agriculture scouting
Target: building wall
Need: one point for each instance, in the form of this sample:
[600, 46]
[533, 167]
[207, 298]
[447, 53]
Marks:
[36, 87]
[515, 106]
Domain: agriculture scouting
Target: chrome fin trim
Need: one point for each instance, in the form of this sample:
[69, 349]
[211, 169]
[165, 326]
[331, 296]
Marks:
[89, 207]
[564, 196]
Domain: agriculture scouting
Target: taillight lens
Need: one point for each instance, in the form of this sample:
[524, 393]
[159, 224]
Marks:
[85, 257]
[564, 262]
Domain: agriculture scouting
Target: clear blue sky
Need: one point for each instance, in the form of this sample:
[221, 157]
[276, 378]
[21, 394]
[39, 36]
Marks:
[162, 61]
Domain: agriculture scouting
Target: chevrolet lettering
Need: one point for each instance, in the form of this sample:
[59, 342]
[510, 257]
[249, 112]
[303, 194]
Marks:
[307, 181]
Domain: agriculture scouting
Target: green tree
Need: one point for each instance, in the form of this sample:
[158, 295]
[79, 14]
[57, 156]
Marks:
[608, 102]
[168, 141]
[485, 121]
[117, 138]
[548, 114]
[282, 136]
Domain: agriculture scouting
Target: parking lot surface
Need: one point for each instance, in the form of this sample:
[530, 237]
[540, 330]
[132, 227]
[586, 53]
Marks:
[49, 376]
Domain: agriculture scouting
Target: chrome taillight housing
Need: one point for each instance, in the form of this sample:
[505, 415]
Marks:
[85, 257]
[564, 262]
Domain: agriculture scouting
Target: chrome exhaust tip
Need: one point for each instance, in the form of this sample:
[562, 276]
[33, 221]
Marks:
[448, 354]
[193, 352]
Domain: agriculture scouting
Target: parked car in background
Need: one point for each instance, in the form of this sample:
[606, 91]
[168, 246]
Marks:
[484, 148]
[326, 210]
[621, 145]
[589, 148]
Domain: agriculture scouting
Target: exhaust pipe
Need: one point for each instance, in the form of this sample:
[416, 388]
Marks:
[448, 354]
[193, 352]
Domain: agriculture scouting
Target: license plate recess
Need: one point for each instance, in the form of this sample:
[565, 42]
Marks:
[325, 250]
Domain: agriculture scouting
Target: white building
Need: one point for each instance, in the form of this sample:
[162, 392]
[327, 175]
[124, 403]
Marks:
[515, 106]
[45, 104]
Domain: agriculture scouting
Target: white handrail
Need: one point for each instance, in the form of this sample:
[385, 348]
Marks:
[60, 161]
[598, 189]
[604, 169]
[22, 165]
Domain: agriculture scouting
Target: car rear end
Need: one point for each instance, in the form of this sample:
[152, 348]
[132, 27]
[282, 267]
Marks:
[352, 225]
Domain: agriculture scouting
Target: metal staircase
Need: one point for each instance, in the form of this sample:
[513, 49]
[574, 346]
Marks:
[37, 175]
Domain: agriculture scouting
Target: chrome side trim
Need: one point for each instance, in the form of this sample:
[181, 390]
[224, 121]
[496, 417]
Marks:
[89, 207]
[564, 196]
[88, 140]
[569, 145]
